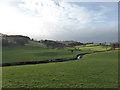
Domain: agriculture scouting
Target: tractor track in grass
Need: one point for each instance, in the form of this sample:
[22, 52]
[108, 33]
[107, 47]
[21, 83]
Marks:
[79, 56]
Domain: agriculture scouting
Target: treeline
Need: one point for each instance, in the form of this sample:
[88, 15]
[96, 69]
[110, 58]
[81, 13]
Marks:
[14, 40]
[112, 45]
[71, 43]
[115, 45]
[59, 44]
[52, 44]
[67, 42]
[75, 44]
[17, 40]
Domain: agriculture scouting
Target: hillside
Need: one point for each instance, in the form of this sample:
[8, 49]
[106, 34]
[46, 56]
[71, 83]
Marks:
[35, 51]
[14, 40]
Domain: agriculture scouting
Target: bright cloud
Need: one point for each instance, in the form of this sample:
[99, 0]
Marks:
[52, 11]
[53, 19]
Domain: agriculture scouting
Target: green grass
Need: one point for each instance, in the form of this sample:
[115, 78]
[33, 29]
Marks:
[93, 48]
[91, 45]
[98, 70]
[35, 52]
[36, 44]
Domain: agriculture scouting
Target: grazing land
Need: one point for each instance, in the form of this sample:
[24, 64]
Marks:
[47, 44]
[97, 70]
[34, 51]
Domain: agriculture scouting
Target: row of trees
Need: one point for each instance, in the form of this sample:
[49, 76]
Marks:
[75, 44]
[115, 45]
[14, 40]
[57, 44]
[53, 44]
[112, 45]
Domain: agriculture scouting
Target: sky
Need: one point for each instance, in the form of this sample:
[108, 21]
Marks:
[60, 20]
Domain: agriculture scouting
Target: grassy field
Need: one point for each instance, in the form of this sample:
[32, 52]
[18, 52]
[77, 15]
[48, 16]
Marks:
[29, 53]
[34, 51]
[93, 48]
[98, 70]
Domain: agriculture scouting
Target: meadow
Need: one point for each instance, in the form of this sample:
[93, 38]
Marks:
[34, 51]
[95, 70]
[98, 70]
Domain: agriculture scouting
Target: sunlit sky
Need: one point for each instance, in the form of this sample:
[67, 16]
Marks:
[59, 20]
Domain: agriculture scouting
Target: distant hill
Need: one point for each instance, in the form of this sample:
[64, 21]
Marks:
[53, 44]
[67, 42]
[18, 40]
[71, 43]
[14, 40]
